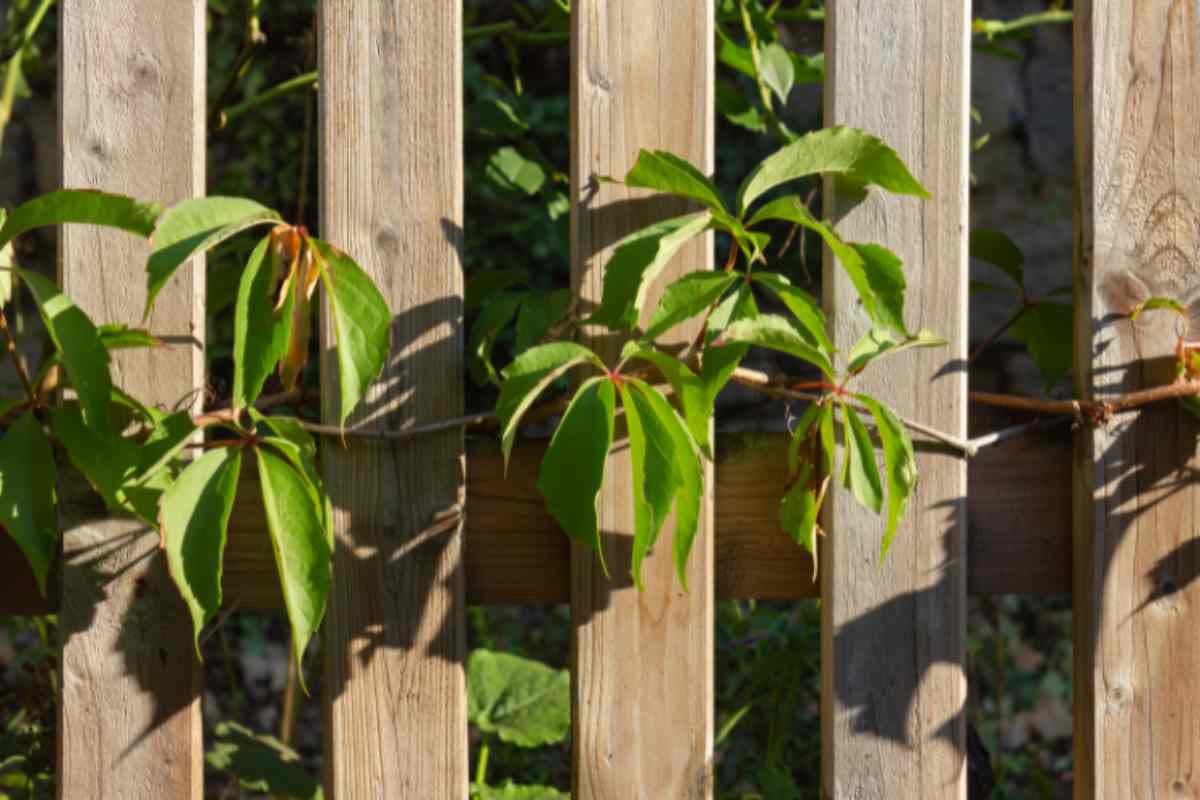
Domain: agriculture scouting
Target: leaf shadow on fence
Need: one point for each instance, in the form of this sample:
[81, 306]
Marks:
[398, 578]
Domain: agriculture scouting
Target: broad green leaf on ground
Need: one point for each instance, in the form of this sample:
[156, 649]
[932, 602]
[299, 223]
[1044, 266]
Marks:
[1159, 304]
[803, 306]
[879, 341]
[778, 69]
[482, 286]
[541, 311]
[862, 477]
[260, 332]
[899, 462]
[995, 248]
[193, 226]
[875, 271]
[194, 519]
[668, 173]
[844, 151]
[523, 701]
[494, 317]
[302, 547]
[637, 260]
[360, 319]
[530, 374]
[510, 170]
[261, 763]
[573, 468]
[512, 791]
[691, 477]
[777, 333]
[27, 500]
[693, 396]
[657, 477]
[83, 206]
[1047, 329]
[79, 346]
[687, 297]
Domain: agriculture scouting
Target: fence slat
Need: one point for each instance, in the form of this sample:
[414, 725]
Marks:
[1137, 507]
[892, 675]
[132, 121]
[391, 177]
[643, 678]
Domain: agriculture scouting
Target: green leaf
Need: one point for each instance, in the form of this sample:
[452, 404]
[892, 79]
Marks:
[84, 206]
[1159, 304]
[863, 473]
[735, 107]
[303, 550]
[686, 462]
[261, 763]
[777, 333]
[778, 69]
[995, 248]
[693, 395]
[260, 333]
[540, 312]
[875, 271]
[530, 374]
[636, 261]
[484, 285]
[668, 173]
[123, 337]
[361, 321]
[27, 502]
[288, 437]
[572, 470]
[194, 520]
[802, 432]
[899, 461]
[194, 226]
[798, 511]
[878, 342]
[737, 306]
[1047, 329]
[497, 117]
[839, 150]
[523, 701]
[803, 306]
[656, 475]
[79, 345]
[513, 171]
[493, 318]
[687, 297]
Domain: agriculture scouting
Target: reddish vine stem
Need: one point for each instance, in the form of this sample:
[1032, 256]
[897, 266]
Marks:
[996, 334]
[1098, 410]
[11, 345]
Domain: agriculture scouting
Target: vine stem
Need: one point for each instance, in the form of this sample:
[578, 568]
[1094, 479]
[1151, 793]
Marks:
[1098, 410]
[10, 344]
[996, 334]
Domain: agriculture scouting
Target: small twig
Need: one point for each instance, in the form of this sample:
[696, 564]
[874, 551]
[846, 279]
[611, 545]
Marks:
[306, 81]
[406, 433]
[227, 414]
[254, 38]
[996, 334]
[11, 345]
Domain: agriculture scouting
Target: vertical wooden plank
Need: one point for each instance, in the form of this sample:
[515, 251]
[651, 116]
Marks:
[1137, 603]
[132, 121]
[642, 76]
[391, 177]
[892, 672]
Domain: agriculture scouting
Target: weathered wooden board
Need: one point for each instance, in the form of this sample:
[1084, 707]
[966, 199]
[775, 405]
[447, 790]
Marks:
[392, 185]
[131, 121]
[641, 77]
[1137, 504]
[893, 679]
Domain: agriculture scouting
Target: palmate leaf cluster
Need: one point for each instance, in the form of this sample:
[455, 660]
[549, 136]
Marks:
[133, 455]
[668, 438]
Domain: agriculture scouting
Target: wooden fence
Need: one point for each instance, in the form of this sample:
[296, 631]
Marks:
[893, 669]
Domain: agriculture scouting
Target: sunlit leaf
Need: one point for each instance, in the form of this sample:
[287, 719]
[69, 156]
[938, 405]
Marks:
[194, 519]
[83, 206]
[863, 474]
[777, 333]
[27, 500]
[513, 171]
[805, 308]
[778, 69]
[687, 297]
[693, 395]
[195, 225]
[899, 461]
[878, 342]
[668, 173]
[260, 333]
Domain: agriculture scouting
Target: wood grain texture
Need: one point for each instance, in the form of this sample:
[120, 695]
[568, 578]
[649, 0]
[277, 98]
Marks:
[1137, 603]
[131, 121]
[392, 184]
[642, 77]
[892, 671]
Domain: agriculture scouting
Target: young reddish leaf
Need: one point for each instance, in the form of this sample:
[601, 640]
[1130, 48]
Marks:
[193, 226]
[572, 470]
[27, 505]
[194, 517]
[306, 269]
